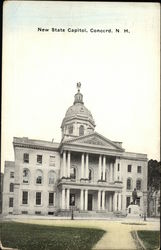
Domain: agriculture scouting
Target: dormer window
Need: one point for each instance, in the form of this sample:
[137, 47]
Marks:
[81, 130]
[70, 129]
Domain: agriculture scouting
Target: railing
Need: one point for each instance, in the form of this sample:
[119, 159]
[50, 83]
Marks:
[90, 182]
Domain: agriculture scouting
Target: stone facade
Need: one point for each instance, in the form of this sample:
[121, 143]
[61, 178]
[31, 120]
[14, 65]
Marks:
[85, 170]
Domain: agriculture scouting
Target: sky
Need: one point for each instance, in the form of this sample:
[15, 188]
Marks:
[118, 71]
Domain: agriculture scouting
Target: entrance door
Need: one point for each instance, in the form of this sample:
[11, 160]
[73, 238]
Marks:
[90, 202]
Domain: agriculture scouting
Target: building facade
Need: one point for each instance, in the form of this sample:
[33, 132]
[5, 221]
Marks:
[85, 170]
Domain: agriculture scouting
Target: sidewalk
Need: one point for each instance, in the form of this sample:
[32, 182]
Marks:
[48, 217]
[119, 236]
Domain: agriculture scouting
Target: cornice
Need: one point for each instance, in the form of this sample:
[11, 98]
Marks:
[92, 150]
[77, 117]
[93, 145]
[24, 145]
[135, 158]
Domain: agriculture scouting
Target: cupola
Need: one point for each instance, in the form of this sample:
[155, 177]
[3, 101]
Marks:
[78, 120]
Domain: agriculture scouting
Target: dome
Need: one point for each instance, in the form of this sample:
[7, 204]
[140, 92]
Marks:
[78, 110]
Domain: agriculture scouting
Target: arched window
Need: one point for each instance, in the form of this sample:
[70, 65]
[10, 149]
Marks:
[39, 177]
[51, 177]
[25, 176]
[81, 130]
[90, 174]
[11, 187]
[70, 129]
[138, 184]
[129, 184]
[73, 173]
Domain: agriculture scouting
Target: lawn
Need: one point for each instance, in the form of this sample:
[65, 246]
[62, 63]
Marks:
[36, 237]
[150, 239]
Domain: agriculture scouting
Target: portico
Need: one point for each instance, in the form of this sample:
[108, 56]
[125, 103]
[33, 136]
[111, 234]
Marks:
[96, 185]
[108, 167]
[90, 199]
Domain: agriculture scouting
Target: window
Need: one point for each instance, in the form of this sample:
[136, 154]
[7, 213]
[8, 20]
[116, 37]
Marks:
[129, 184]
[24, 197]
[129, 168]
[24, 212]
[52, 160]
[38, 198]
[37, 212]
[11, 202]
[25, 176]
[81, 130]
[26, 158]
[118, 167]
[127, 201]
[39, 159]
[51, 199]
[101, 175]
[51, 177]
[11, 187]
[70, 129]
[72, 199]
[138, 184]
[139, 169]
[90, 175]
[105, 176]
[38, 177]
[138, 201]
[11, 174]
[50, 213]
[73, 173]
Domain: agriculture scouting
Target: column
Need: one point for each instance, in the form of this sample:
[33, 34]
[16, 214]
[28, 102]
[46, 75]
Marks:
[81, 199]
[104, 166]
[82, 166]
[86, 199]
[113, 177]
[64, 163]
[120, 171]
[110, 202]
[63, 198]
[67, 200]
[99, 199]
[115, 170]
[103, 200]
[68, 168]
[119, 201]
[111, 170]
[86, 170]
[115, 201]
[99, 167]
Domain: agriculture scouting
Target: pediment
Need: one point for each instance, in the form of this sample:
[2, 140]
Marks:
[95, 139]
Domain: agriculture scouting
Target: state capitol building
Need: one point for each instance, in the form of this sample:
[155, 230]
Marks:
[85, 170]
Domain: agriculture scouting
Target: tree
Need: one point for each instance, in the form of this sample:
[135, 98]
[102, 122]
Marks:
[154, 174]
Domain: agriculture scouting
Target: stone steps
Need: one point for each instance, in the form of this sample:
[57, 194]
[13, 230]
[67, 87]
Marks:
[86, 214]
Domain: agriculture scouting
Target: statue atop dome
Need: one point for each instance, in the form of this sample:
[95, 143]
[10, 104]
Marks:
[78, 98]
[78, 86]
